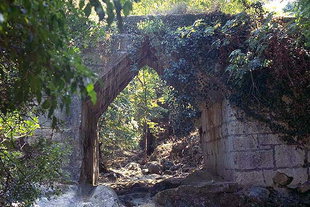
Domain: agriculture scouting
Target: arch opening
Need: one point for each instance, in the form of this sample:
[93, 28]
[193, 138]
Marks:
[107, 89]
[133, 124]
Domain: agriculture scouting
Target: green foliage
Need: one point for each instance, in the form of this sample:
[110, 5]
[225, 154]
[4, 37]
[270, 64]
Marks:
[301, 10]
[141, 103]
[40, 54]
[24, 167]
[257, 62]
[271, 76]
[146, 7]
[41, 43]
[150, 27]
[107, 10]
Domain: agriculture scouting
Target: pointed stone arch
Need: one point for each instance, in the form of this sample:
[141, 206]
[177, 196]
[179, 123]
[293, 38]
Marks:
[111, 83]
[234, 147]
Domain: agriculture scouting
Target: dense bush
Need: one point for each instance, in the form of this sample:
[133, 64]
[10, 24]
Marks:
[260, 63]
[25, 167]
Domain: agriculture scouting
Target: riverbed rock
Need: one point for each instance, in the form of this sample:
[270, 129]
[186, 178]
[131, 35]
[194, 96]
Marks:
[257, 193]
[166, 164]
[166, 184]
[304, 188]
[281, 179]
[219, 194]
[200, 176]
[154, 168]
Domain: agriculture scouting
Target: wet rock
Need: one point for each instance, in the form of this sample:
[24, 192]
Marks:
[281, 179]
[304, 188]
[154, 168]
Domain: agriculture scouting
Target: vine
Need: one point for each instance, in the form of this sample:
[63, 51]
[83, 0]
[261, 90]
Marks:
[255, 61]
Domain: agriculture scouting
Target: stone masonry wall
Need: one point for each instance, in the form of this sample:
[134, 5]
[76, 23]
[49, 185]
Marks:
[244, 150]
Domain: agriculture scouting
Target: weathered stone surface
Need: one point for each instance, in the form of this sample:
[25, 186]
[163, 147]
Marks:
[200, 176]
[211, 194]
[304, 188]
[300, 175]
[289, 156]
[246, 151]
[257, 193]
[281, 179]
[253, 159]
[154, 168]
[269, 139]
[244, 142]
[249, 178]
[166, 184]
[166, 164]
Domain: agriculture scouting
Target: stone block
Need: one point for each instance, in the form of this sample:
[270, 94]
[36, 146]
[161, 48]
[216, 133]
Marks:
[269, 139]
[228, 112]
[227, 174]
[247, 127]
[243, 142]
[299, 175]
[236, 128]
[249, 178]
[289, 156]
[253, 159]
[281, 179]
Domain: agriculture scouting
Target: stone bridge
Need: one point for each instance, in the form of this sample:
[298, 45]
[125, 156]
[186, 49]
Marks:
[235, 147]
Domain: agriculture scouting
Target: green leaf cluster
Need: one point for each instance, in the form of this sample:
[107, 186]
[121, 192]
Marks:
[255, 60]
[40, 62]
[141, 103]
[154, 7]
[24, 167]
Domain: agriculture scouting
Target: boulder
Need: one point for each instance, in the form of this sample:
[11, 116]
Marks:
[257, 193]
[304, 188]
[200, 176]
[166, 184]
[220, 194]
[281, 179]
[154, 168]
[169, 172]
[166, 164]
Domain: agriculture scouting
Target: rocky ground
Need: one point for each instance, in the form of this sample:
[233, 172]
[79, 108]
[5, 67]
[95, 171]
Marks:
[173, 177]
[137, 178]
